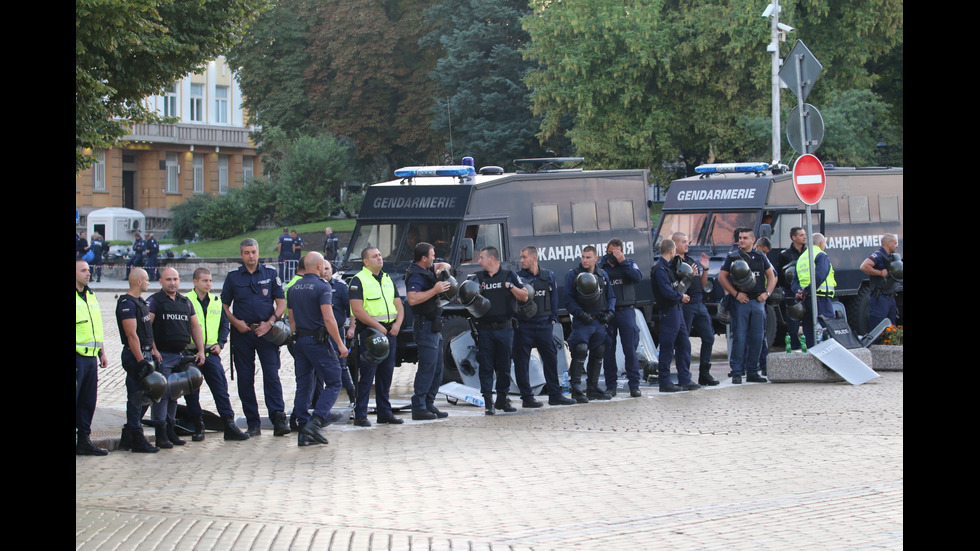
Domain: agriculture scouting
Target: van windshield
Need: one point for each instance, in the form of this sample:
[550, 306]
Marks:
[721, 227]
[397, 240]
[689, 224]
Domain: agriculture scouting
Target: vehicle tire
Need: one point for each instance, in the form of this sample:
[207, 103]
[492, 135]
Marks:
[857, 310]
[772, 324]
[452, 326]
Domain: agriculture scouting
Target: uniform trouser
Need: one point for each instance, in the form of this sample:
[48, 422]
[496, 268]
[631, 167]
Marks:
[314, 361]
[136, 401]
[675, 344]
[214, 376]
[748, 332]
[793, 328]
[495, 347]
[428, 377]
[166, 409]
[698, 322]
[623, 323]
[151, 266]
[136, 260]
[245, 346]
[86, 390]
[825, 307]
[536, 335]
[881, 307]
[593, 335]
[380, 374]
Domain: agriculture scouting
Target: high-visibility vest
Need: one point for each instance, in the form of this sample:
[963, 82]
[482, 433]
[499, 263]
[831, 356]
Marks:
[88, 325]
[211, 320]
[803, 274]
[378, 298]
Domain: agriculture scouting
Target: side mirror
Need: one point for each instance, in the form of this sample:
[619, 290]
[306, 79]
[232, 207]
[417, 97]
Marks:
[466, 250]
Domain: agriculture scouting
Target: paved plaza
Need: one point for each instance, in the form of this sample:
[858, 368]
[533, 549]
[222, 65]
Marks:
[752, 466]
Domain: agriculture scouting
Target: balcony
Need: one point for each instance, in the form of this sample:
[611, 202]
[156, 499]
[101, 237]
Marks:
[191, 134]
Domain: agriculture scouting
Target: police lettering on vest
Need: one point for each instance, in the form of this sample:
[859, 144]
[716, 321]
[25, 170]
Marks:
[503, 305]
[211, 319]
[171, 324]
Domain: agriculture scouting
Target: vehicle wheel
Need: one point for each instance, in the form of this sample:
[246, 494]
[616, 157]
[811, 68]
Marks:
[452, 326]
[771, 324]
[857, 310]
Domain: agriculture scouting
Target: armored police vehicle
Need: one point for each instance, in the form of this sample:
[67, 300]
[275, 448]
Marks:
[460, 211]
[859, 206]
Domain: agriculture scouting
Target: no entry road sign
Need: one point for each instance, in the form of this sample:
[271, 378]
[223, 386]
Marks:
[809, 179]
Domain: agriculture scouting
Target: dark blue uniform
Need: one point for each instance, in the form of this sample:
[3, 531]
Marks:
[152, 252]
[426, 327]
[748, 321]
[622, 278]
[496, 331]
[331, 247]
[130, 307]
[697, 318]
[139, 245]
[825, 305]
[315, 356]
[285, 253]
[588, 337]
[251, 296]
[881, 303]
[787, 258]
[379, 374]
[98, 252]
[675, 339]
[538, 332]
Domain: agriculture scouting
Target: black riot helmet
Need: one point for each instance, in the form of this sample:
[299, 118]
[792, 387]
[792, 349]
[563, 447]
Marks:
[444, 298]
[376, 346]
[469, 296]
[742, 277]
[587, 286]
[184, 383]
[896, 269]
[154, 385]
[684, 275]
[797, 311]
[527, 310]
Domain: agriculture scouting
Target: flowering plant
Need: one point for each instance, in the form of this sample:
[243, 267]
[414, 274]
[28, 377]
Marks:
[892, 336]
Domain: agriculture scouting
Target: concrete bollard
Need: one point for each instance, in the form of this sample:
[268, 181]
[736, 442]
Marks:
[806, 368]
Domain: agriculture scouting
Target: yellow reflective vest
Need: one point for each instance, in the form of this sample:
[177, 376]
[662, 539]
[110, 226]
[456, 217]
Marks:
[803, 274]
[88, 325]
[378, 297]
[211, 320]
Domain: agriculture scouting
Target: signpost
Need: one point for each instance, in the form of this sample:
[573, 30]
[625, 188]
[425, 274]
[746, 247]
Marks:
[810, 183]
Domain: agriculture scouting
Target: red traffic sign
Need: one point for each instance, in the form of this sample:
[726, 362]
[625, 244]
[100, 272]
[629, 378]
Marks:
[809, 179]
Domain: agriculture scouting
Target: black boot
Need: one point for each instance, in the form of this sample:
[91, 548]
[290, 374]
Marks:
[594, 370]
[305, 440]
[198, 435]
[503, 404]
[160, 430]
[704, 376]
[312, 429]
[84, 446]
[126, 440]
[172, 434]
[488, 404]
[280, 426]
[232, 431]
[136, 441]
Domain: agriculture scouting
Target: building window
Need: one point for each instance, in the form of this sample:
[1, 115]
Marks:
[248, 171]
[222, 174]
[170, 101]
[173, 173]
[221, 104]
[98, 172]
[197, 103]
[198, 173]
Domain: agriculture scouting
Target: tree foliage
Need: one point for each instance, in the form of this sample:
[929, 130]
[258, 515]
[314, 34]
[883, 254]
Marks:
[483, 103]
[309, 179]
[126, 50]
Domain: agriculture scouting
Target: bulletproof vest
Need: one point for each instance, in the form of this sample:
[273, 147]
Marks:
[144, 329]
[658, 295]
[622, 287]
[541, 292]
[885, 285]
[695, 291]
[172, 322]
[428, 309]
[503, 305]
[601, 304]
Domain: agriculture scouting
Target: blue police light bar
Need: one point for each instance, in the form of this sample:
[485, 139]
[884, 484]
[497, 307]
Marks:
[423, 171]
[721, 168]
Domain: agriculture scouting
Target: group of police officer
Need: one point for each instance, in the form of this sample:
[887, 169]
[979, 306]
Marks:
[171, 343]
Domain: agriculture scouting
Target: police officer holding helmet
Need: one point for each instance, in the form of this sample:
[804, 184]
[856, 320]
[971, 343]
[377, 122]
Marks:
[591, 305]
[425, 283]
[696, 315]
[136, 331]
[623, 274]
[311, 319]
[503, 289]
[675, 341]
[887, 273]
[537, 331]
[379, 313]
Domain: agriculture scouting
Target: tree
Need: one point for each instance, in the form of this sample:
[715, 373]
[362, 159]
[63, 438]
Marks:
[307, 184]
[126, 50]
[483, 102]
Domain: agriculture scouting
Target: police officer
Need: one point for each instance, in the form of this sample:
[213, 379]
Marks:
[826, 283]
[89, 356]
[881, 303]
[253, 300]
[214, 329]
[136, 259]
[285, 250]
[152, 252]
[502, 288]
[423, 287]
[592, 305]
[788, 258]
[757, 279]
[675, 341]
[696, 316]
[538, 331]
[175, 326]
[136, 331]
[341, 312]
[312, 322]
[98, 253]
[375, 305]
[331, 245]
[623, 275]
[297, 246]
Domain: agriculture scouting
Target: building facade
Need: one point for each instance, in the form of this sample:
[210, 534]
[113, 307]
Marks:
[207, 152]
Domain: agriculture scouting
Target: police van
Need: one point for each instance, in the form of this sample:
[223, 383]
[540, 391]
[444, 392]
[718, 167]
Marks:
[460, 210]
[859, 206]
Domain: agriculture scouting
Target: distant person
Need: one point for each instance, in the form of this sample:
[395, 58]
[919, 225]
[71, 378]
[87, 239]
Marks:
[81, 245]
[331, 245]
[98, 253]
[787, 259]
[152, 252]
[696, 315]
[285, 250]
[136, 257]
[884, 284]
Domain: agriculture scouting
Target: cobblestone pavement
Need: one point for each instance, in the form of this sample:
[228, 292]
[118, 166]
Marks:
[756, 466]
